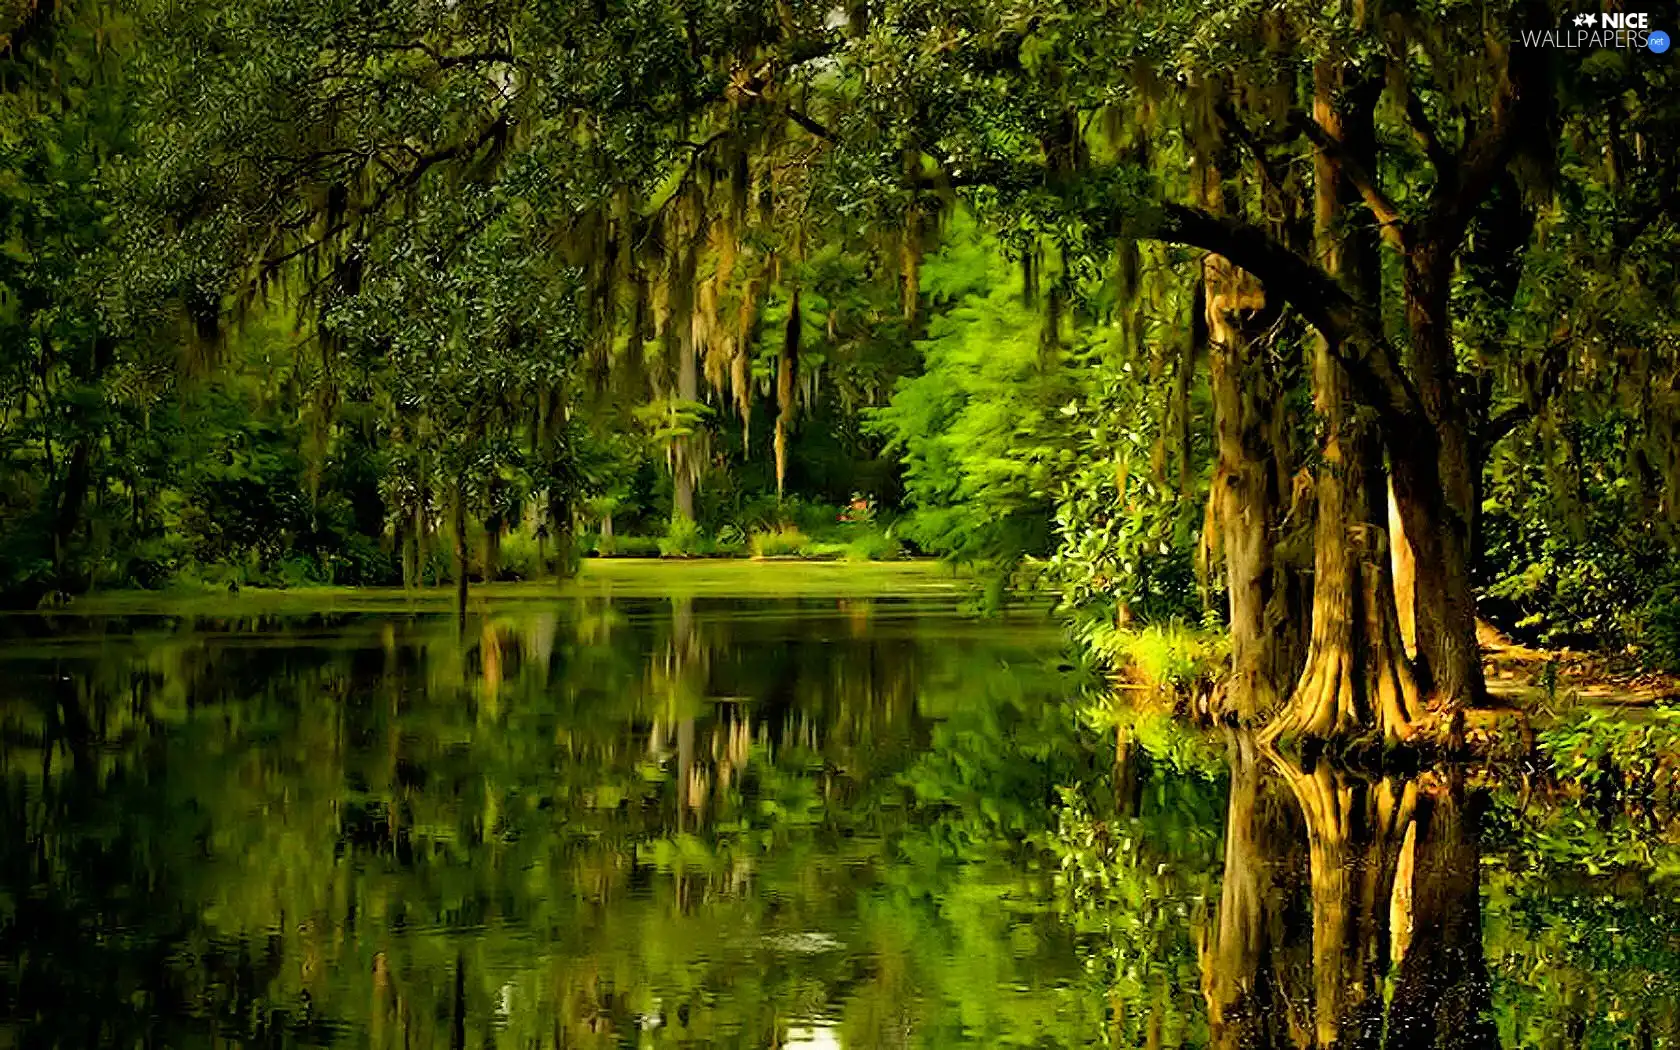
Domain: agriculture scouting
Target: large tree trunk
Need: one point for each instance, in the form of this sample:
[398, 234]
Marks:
[461, 547]
[1435, 489]
[1249, 498]
[1404, 566]
[684, 465]
[67, 517]
[787, 378]
[1356, 679]
[687, 450]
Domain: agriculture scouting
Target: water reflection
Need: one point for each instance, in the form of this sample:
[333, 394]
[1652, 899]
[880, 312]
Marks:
[1350, 912]
[611, 823]
[697, 822]
[1450, 909]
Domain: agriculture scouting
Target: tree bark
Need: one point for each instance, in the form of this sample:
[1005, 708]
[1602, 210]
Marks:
[1404, 566]
[1355, 679]
[1248, 497]
[461, 547]
[686, 451]
[787, 376]
[1449, 659]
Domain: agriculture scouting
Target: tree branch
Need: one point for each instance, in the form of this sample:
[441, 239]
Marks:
[1389, 220]
[1423, 129]
[423, 163]
[1517, 104]
[810, 124]
[446, 61]
[1270, 171]
[1355, 335]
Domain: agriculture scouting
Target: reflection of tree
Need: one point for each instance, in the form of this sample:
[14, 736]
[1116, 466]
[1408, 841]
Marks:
[1354, 833]
[1394, 871]
[1245, 961]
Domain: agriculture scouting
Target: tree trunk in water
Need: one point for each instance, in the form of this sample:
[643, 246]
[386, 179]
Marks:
[1442, 996]
[1355, 679]
[1247, 1005]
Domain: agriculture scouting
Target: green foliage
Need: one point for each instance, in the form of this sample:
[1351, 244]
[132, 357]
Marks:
[1607, 753]
[682, 539]
[980, 432]
[873, 545]
[1660, 623]
[1569, 556]
[779, 542]
[1169, 659]
[621, 546]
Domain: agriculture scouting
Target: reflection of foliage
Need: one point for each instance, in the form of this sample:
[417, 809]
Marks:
[1135, 887]
[597, 817]
[608, 814]
[1168, 659]
[1583, 936]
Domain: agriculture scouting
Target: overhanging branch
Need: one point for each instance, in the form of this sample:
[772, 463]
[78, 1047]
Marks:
[1389, 219]
[1355, 335]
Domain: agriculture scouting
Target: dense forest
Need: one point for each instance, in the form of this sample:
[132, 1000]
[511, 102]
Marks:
[1332, 326]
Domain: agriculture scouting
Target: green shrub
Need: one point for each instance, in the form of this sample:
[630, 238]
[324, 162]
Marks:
[1168, 658]
[682, 539]
[300, 570]
[1660, 627]
[518, 557]
[779, 542]
[730, 540]
[362, 561]
[873, 546]
[618, 546]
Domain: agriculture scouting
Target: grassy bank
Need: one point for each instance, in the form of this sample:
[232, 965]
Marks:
[621, 577]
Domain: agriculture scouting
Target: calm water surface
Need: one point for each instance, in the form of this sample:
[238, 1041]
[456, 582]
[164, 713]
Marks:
[611, 821]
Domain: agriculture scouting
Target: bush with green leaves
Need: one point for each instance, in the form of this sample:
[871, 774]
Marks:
[683, 539]
[779, 542]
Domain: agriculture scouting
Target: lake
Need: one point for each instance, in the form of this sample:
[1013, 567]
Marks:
[704, 805]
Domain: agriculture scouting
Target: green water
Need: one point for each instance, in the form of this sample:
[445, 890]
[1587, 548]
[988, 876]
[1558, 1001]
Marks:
[607, 817]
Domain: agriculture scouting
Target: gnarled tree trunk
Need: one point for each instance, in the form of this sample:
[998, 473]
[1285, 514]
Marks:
[1356, 679]
[1249, 498]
